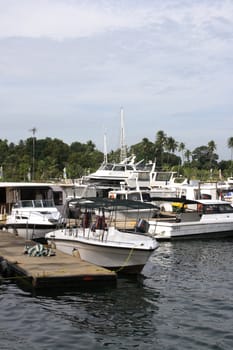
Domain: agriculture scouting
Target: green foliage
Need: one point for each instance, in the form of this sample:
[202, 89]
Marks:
[52, 156]
[204, 158]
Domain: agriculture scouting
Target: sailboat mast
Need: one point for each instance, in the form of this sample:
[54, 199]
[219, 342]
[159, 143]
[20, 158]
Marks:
[123, 154]
[105, 149]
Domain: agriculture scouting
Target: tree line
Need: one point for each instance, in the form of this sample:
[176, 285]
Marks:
[52, 159]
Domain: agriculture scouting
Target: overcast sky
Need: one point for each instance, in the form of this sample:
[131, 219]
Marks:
[68, 66]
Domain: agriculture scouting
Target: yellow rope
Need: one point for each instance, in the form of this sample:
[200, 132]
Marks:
[126, 260]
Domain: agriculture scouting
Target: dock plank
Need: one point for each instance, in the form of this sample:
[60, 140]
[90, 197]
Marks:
[50, 271]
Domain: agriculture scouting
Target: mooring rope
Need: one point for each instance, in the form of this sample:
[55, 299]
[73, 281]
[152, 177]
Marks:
[126, 260]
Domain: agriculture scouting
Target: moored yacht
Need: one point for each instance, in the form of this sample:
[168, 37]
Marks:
[195, 219]
[112, 174]
[32, 219]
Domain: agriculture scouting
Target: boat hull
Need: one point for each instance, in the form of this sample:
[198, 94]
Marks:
[192, 230]
[31, 231]
[118, 259]
[100, 248]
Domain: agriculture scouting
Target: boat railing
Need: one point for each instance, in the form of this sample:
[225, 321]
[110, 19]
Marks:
[36, 203]
[96, 226]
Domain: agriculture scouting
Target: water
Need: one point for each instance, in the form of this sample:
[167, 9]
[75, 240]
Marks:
[183, 301]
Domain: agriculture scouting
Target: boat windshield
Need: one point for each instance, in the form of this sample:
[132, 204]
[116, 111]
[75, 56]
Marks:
[107, 166]
[37, 203]
[134, 196]
[164, 176]
[217, 208]
[119, 168]
[129, 167]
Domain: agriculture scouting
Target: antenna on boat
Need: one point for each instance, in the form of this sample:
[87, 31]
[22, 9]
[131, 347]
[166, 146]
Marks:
[123, 154]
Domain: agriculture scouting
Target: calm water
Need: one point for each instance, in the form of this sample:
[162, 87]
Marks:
[184, 301]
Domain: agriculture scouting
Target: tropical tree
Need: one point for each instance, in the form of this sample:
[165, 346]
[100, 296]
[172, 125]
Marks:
[211, 147]
[181, 148]
[143, 150]
[188, 155]
[160, 142]
[170, 145]
[230, 145]
[203, 157]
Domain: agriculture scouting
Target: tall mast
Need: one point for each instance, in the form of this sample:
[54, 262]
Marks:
[123, 154]
[105, 150]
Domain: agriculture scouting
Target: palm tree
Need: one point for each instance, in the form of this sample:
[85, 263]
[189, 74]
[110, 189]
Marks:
[181, 149]
[230, 145]
[211, 148]
[170, 145]
[187, 155]
[160, 144]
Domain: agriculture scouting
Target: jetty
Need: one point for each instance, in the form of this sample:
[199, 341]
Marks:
[53, 272]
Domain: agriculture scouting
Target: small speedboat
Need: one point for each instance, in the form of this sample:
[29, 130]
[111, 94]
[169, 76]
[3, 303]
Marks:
[104, 241]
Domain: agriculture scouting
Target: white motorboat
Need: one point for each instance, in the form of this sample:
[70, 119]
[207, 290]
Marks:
[195, 219]
[105, 242]
[111, 174]
[32, 219]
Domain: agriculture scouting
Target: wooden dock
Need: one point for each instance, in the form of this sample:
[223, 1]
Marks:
[48, 272]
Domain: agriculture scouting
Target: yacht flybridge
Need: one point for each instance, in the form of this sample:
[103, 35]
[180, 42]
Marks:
[112, 174]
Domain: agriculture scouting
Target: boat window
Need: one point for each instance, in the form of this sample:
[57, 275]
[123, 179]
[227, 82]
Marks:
[16, 205]
[205, 196]
[218, 208]
[129, 167]
[48, 203]
[134, 196]
[27, 203]
[120, 196]
[107, 167]
[225, 208]
[38, 203]
[146, 197]
[57, 197]
[166, 176]
[211, 209]
[119, 168]
[143, 176]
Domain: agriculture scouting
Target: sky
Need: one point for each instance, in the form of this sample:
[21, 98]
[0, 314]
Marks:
[67, 67]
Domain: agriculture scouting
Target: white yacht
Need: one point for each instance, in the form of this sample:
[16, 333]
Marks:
[195, 219]
[32, 219]
[112, 174]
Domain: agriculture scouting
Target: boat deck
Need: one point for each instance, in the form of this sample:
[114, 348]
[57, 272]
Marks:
[48, 272]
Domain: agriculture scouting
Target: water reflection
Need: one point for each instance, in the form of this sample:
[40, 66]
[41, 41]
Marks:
[125, 312]
[183, 300]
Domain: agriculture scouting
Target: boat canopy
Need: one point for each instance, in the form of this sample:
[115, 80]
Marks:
[108, 203]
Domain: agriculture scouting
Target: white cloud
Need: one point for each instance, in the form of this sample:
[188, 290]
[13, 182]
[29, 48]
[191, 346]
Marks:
[60, 19]
[66, 19]
[167, 62]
